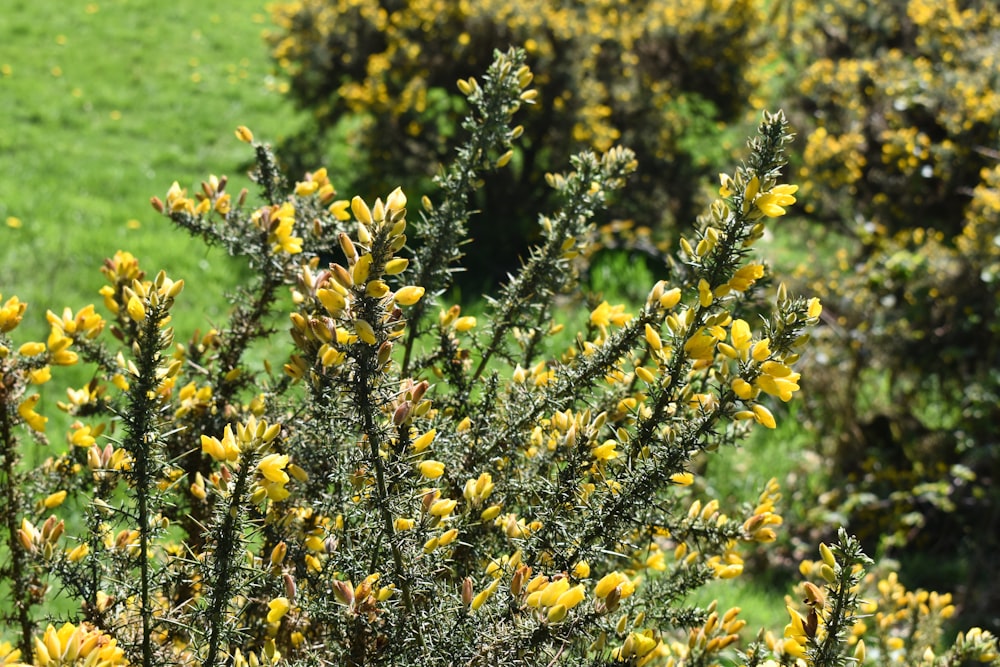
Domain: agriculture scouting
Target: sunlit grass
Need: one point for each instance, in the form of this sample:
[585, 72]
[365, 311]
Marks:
[106, 104]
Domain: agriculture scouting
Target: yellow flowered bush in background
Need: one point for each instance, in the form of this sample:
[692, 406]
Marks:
[660, 76]
[899, 106]
[396, 483]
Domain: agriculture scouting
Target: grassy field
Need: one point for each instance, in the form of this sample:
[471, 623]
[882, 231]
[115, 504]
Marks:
[106, 104]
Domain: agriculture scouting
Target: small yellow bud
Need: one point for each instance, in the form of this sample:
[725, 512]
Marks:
[396, 201]
[424, 441]
[431, 469]
[409, 295]
[136, 310]
[827, 555]
[365, 332]
[244, 134]
[396, 265]
[54, 500]
[31, 349]
[763, 416]
[645, 375]
[682, 478]
[556, 613]
[361, 211]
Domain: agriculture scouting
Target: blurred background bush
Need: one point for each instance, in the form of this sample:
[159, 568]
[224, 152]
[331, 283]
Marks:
[664, 77]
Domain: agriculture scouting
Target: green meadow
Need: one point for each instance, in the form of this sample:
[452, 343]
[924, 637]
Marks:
[105, 104]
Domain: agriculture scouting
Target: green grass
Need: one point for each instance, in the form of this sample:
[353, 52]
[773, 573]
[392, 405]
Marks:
[105, 105]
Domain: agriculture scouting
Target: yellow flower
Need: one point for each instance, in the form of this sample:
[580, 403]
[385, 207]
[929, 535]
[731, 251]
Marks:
[40, 375]
[682, 478]
[763, 416]
[54, 500]
[226, 449]
[424, 441]
[339, 210]
[365, 332]
[670, 298]
[705, 296]
[31, 349]
[244, 134]
[745, 277]
[396, 265]
[485, 594]
[277, 608]
[27, 411]
[442, 508]
[272, 467]
[431, 469]
[281, 235]
[11, 314]
[772, 203]
[409, 295]
[605, 451]
[608, 583]
[701, 345]
[605, 314]
[136, 310]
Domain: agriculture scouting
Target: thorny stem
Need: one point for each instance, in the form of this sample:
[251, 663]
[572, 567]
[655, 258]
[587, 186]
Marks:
[18, 569]
[368, 408]
[459, 184]
[140, 437]
[223, 568]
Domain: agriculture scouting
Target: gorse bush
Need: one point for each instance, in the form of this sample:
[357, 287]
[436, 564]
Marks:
[412, 486]
[649, 75]
[904, 119]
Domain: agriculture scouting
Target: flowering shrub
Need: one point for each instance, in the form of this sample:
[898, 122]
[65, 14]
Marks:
[901, 154]
[651, 75]
[411, 486]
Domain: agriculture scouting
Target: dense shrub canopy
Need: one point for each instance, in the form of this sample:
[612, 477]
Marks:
[901, 113]
[651, 75]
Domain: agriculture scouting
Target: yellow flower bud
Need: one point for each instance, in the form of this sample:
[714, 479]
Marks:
[827, 555]
[670, 298]
[556, 613]
[431, 469]
[277, 607]
[361, 211]
[763, 416]
[409, 295]
[54, 500]
[136, 310]
[365, 332]
[396, 265]
[244, 134]
[31, 349]
[572, 597]
[682, 478]
[424, 441]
